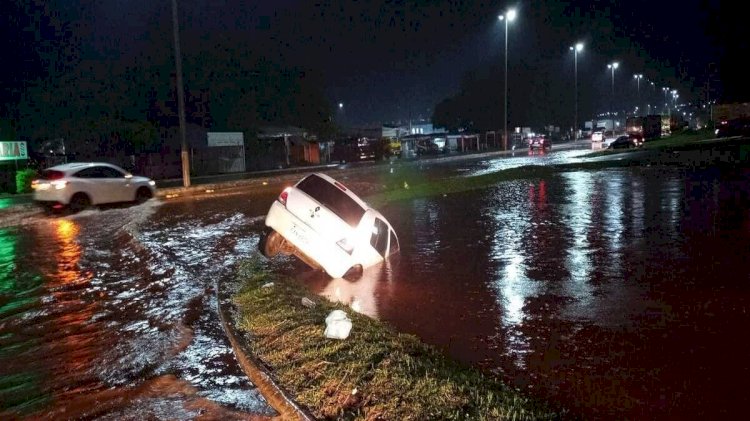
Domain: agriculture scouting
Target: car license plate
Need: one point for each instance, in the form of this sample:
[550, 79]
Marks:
[299, 233]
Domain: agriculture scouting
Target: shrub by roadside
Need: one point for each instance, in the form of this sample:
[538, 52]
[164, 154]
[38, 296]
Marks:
[23, 180]
[376, 373]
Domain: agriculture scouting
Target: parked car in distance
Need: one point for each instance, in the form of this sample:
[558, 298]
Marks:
[734, 127]
[428, 147]
[539, 142]
[622, 142]
[79, 185]
[354, 149]
[327, 226]
[637, 139]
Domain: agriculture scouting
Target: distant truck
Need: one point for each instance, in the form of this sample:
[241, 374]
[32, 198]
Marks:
[732, 119]
[726, 112]
[647, 128]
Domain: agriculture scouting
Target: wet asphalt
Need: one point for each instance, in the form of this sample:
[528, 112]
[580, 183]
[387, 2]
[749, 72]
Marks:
[619, 293]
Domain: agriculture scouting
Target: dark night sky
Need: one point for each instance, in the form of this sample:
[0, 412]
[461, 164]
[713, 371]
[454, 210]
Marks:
[388, 60]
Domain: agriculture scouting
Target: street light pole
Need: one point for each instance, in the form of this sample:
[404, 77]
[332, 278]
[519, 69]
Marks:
[653, 93]
[184, 157]
[613, 66]
[638, 78]
[509, 16]
[576, 49]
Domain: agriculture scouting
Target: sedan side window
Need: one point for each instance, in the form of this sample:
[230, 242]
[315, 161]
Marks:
[111, 173]
[379, 238]
[92, 172]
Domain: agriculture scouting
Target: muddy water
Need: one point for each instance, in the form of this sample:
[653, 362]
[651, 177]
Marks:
[616, 294]
[112, 313]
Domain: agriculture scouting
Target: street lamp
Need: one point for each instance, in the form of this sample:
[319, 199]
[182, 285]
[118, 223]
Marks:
[666, 101]
[638, 78]
[613, 66]
[509, 16]
[576, 49]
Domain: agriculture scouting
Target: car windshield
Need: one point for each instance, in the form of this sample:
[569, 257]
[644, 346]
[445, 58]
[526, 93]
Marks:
[334, 199]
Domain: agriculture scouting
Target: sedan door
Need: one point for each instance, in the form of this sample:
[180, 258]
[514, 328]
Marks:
[102, 184]
[119, 187]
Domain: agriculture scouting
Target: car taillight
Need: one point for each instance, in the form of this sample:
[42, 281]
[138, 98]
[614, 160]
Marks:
[283, 196]
[59, 184]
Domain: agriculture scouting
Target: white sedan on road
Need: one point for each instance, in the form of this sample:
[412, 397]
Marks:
[79, 185]
[327, 226]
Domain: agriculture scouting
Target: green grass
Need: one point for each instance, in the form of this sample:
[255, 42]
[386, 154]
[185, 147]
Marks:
[376, 373]
[682, 139]
[405, 188]
[395, 189]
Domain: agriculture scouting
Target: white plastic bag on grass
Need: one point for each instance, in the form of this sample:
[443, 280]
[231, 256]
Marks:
[338, 325]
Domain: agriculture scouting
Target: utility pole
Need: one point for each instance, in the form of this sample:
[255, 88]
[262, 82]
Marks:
[180, 98]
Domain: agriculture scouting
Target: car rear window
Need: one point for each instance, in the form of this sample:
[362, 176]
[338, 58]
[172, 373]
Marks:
[332, 198]
[51, 175]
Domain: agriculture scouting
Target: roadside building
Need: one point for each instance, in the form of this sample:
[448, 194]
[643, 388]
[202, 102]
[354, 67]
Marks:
[287, 146]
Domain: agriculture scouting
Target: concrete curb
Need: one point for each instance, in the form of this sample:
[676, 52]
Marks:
[259, 375]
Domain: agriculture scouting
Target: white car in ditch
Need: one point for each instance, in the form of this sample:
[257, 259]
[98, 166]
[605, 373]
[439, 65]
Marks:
[328, 227]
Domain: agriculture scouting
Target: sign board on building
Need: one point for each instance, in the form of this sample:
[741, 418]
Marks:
[225, 139]
[11, 151]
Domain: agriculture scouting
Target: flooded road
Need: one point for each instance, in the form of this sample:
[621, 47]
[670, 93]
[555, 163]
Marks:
[618, 294]
[112, 314]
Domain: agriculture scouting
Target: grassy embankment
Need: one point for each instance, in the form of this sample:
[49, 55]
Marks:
[681, 139]
[376, 373]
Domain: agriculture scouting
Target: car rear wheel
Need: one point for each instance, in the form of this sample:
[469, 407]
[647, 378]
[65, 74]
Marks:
[354, 273]
[271, 243]
[143, 194]
[79, 202]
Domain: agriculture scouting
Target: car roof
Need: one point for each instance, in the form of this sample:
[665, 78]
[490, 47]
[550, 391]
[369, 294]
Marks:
[354, 197]
[74, 166]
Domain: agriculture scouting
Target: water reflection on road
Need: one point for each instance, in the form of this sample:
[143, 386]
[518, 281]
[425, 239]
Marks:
[111, 314]
[618, 294]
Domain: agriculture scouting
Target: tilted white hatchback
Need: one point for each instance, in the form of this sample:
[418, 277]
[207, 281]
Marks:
[79, 185]
[327, 226]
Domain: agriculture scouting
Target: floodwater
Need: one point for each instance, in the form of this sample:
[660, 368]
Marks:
[618, 294]
[112, 314]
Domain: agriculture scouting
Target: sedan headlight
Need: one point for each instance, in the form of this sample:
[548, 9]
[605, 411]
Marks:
[151, 182]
